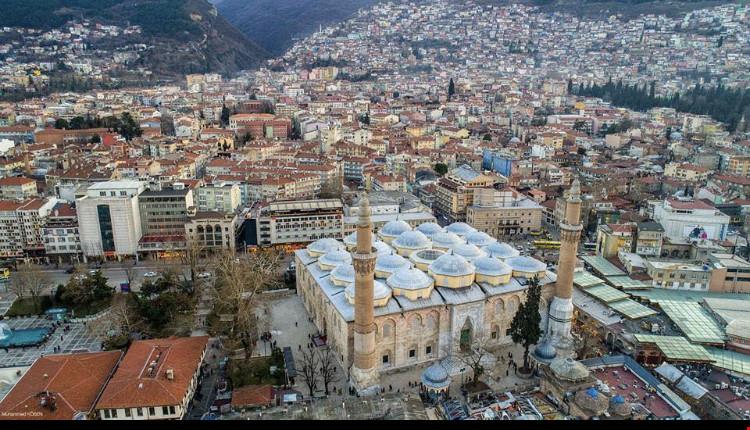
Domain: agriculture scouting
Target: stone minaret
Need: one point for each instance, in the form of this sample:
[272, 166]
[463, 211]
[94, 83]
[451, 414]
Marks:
[561, 307]
[364, 373]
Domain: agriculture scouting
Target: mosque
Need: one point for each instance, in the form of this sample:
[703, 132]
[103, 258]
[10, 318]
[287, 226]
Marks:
[406, 297]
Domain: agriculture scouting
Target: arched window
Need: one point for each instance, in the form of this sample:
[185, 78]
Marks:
[499, 307]
[388, 328]
[432, 321]
[495, 332]
[513, 304]
[415, 322]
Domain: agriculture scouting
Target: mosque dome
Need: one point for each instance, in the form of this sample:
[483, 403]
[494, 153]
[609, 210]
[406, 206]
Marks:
[436, 377]
[545, 351]
[460, 228]
[382, 248]
[480, 238]
[445, 240]
[429, 228]
[343, 275]
[501, 250]
[592, 401]
[468, 251]
[526, 266]
[381, 293]
[569, 369]
[451, 265]
[323, 246]
[334, 258]
[412, 239]
[351, 239]
[491, 267]
[409, 278]
[388, 263]
[394, 228]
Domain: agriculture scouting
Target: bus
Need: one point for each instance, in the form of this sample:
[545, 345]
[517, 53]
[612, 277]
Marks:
[4, 273]
[537, 233]
[589, 246]
[547, 244]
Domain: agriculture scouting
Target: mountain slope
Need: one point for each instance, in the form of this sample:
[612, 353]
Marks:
[273, 23]
[188, 35]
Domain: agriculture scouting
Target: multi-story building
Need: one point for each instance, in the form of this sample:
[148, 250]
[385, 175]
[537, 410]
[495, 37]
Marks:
[680, 275]
[163, 217]
[212, 230]
[221, 197]
[613, 238]
[17, 188]
[301, 221]
[109, 219]
[738, 165]
[21, 227]
[156, 380]
[60, 232]
[261, 125]
[686, 172]
[691, 219]
[649, 239]
[455, 192]
[502, 213]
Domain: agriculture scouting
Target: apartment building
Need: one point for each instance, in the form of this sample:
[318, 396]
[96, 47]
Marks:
[17, 188]
[221, 197]
[21, 232]
[613, 238]
[686, 172]
[212, 230]
[649, 238]
[691, 219]
[62, 241]
[455, 192]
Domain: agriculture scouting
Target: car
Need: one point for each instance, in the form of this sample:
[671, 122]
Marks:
[204, 275]
[70, 270]
[93, 271]
[149, 274]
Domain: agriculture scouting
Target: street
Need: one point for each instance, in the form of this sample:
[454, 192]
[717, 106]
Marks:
[114, 272]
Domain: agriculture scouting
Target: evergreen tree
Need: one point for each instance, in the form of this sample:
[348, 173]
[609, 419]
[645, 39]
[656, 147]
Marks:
[451, 89]
[525, 328]
[224, 116]
[570, 86]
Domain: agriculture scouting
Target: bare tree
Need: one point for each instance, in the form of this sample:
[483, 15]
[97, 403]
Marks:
[123, 316]
[30, 281]
[328, 368]
[475, 355]
[308, 368]
[588, 336]
[191, 256]
[239, 282]
[130, 275]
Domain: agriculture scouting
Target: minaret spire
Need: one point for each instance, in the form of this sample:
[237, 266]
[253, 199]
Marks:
[561, 307]
[364, 373]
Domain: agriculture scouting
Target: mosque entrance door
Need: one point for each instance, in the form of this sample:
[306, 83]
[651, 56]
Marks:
[465, 339]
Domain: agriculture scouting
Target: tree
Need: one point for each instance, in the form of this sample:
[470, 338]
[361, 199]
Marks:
[328, 368]
[525, 328]
[128, 128]
[224, 116]
[239, 283]
[191, 256]
[61, 123]
[570, 86]
[451, 89]
[475, 355]
[332, 189]
[30, 281]
[308, 367]
[440, 168]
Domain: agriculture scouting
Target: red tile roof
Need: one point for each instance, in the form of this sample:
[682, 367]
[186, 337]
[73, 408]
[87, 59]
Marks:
[133, 385]
[252, 395]
[74, 379]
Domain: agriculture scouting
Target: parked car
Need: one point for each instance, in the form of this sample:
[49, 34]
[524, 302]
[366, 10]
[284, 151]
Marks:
[204, 275]
[70, 270]
[149, 274]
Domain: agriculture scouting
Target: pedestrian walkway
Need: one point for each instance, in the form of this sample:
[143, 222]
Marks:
[76, 339]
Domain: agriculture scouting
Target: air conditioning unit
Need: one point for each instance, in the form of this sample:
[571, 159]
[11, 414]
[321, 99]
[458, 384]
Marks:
[170, 374]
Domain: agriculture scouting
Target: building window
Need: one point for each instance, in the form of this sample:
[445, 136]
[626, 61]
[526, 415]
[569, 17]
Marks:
[127, 412]
[428, 350]
[114, 413]
[172, 410]
[494, 335]
[412, 353]
[106, 413]
[164, 410]
[385, 359]
[151, 411]
[139, 412]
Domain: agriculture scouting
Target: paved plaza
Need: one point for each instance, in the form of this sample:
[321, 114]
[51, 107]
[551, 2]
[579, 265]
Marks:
[6, 301]
[77, 339]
